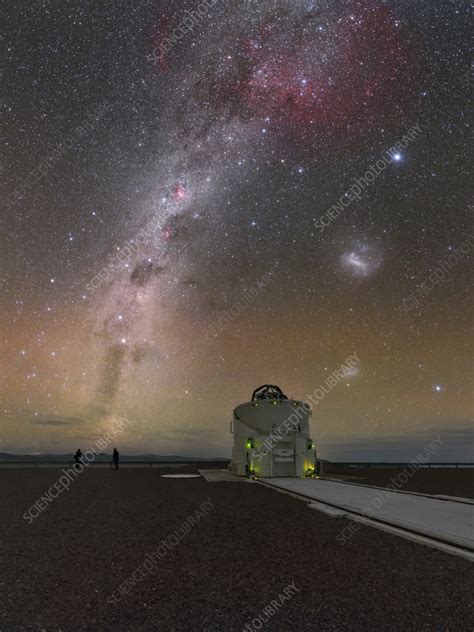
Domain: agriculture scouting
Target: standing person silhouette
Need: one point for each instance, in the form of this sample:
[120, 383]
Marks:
[78, 458]
[115, 458]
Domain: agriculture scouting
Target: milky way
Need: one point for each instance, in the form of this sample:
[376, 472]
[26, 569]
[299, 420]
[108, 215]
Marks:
[216, 151]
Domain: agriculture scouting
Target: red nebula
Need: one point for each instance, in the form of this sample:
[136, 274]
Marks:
[280, 90]
[166, 233]
[179, 192]
[160, 43]
[305, 82]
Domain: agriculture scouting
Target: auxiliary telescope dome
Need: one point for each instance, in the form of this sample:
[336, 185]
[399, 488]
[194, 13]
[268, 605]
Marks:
[272, 436]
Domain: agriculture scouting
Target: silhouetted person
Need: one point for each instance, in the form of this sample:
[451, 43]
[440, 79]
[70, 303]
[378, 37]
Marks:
[78, 457]
[115, 458]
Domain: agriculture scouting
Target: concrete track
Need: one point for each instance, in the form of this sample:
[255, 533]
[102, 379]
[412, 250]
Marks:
[442, 523]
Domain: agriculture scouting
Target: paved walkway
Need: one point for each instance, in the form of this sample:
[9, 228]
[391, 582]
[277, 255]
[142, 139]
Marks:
[449, 521]
[222, 476]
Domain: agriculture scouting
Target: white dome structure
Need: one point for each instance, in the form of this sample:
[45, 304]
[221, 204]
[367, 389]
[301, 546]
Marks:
[272, 436]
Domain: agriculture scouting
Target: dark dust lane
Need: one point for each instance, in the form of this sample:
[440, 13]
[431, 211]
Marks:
[221, 572]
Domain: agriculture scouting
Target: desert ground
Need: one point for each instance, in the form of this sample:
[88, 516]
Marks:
[64, 569]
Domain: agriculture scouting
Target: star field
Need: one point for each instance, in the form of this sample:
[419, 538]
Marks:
[152, 178]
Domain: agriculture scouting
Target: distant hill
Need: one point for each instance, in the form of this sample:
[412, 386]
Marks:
[106, 457]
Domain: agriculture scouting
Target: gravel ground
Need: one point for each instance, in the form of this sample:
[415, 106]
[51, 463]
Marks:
[59, 572]
[451, 482]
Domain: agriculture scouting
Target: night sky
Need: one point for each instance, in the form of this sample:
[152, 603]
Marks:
[176, 227]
